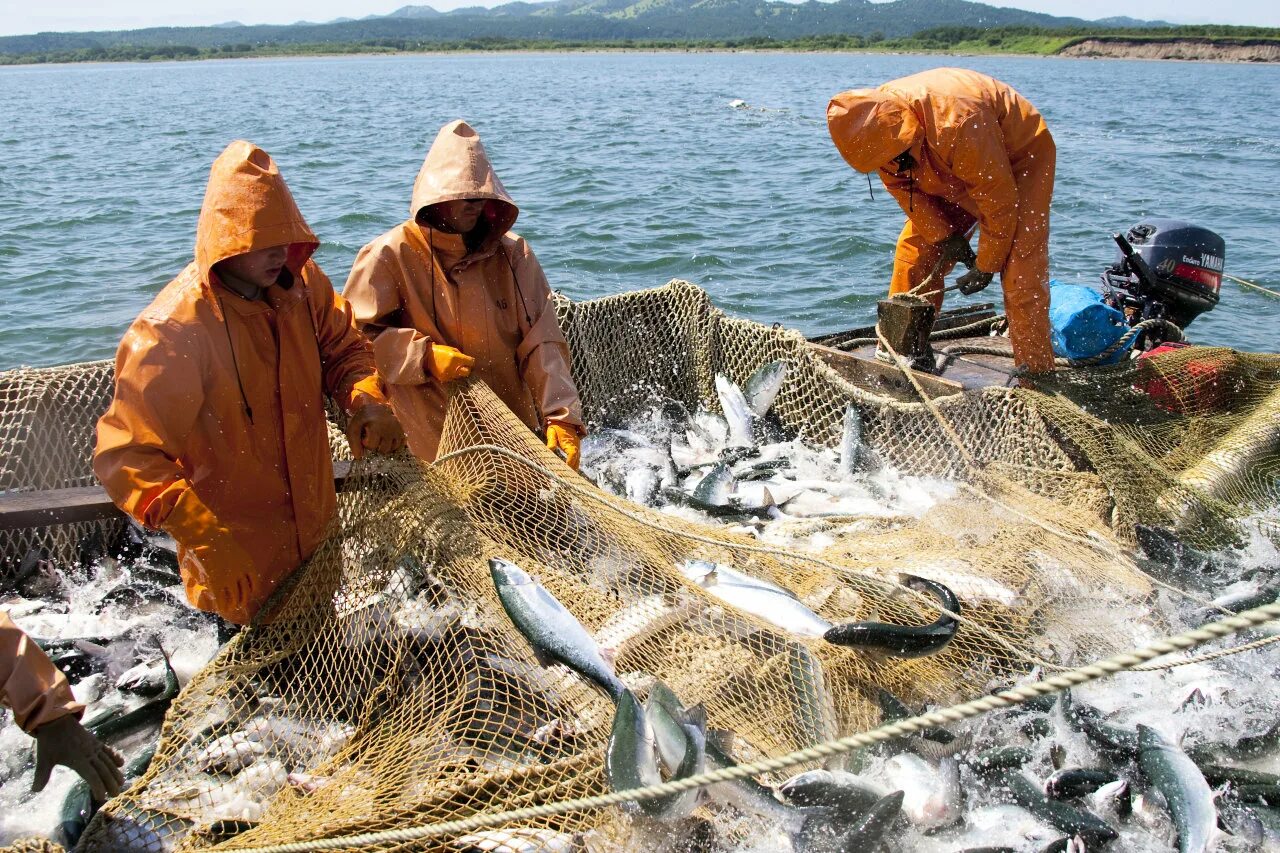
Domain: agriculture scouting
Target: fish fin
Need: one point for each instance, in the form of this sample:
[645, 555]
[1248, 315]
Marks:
[721, 739]
[934, 751]
[89, 648]
[697, 716]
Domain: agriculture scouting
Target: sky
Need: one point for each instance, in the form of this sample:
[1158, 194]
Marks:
[23, 16]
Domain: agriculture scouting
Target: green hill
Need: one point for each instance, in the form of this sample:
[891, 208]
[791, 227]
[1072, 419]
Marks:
[843, 24]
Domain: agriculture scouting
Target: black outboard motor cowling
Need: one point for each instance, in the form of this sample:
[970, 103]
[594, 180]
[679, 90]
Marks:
[1168, 269]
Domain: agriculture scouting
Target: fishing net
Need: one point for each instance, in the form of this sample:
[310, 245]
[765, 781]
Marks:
[390, 689]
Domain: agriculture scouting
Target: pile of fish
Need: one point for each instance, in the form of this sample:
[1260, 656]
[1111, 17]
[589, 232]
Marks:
[1151, 773]
[118, 627]
[742, 468]
[662, 740]
[1186, 760]
[1054, 774]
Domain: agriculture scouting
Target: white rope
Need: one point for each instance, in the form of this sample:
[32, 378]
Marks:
[1208, 656]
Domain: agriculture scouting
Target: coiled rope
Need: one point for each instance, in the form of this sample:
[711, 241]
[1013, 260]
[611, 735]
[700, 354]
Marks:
[956, 713]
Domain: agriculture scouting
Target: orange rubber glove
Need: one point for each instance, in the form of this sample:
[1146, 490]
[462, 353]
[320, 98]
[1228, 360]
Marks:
[374, 427]
[565, 438]
[447, 363]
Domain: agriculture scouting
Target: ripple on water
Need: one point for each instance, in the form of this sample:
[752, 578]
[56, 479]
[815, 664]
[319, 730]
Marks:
[630, 169]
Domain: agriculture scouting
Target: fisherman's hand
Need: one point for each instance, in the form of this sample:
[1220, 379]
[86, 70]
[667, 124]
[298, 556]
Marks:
[65, 741]
[219, 577]
[447, 363]
[374, 427]
[564, 437]
[973, 281]
[956, 249]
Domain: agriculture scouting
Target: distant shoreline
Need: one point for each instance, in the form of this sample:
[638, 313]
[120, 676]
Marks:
[1190, 49]
[1256, 51]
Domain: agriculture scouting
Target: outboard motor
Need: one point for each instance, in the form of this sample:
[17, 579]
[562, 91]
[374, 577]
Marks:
[1167, 270]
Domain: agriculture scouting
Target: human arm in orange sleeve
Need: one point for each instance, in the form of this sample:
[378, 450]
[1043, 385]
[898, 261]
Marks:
[979, 159]
[44, 708]
[922, 209]
[543, 353]
[349, 373]
[158, 395]
[29, 682]
[373, 293]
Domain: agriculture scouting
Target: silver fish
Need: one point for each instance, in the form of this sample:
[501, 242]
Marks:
[1111, 800]
[770, 603]
[815, 709]
[145, 679]
[631, 761]
[714, 488]
[1175, 776]
[680, 735]
[851, 445]
[933, 798]
[553, 632]
[762, 388]
[755, 496]
[737, 412]
[661, 709]
[901, 640]
[831, 789]
[872, 824]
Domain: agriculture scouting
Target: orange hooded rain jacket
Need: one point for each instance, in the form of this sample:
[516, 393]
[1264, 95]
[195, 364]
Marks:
[217, 431]
[983, 154]
[29, 682]
[415, 286]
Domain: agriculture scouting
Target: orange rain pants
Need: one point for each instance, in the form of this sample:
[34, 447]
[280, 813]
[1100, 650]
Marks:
[982, 154]
[217, 432]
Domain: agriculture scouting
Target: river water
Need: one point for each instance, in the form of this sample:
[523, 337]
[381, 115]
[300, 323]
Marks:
[630, 169]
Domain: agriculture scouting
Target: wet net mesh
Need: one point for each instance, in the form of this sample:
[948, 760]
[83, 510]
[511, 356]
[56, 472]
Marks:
[391, 690]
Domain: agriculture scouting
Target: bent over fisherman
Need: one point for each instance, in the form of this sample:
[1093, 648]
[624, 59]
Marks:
[44, 708]
[453, 292]
[955, 148]
[217, 432]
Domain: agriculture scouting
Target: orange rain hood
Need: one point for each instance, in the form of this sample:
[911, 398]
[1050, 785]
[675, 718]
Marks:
[457, 167]
[871, 126]
[247, 207]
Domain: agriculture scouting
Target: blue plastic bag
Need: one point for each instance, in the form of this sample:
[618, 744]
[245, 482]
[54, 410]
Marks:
[1082, 325]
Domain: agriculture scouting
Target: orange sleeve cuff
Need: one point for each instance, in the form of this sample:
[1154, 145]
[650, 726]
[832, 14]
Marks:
[366, 391]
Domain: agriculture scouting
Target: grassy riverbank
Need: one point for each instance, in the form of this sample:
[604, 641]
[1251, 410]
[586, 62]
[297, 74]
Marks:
[1036, 41]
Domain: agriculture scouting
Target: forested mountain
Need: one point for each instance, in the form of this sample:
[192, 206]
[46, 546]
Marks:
[580, 20]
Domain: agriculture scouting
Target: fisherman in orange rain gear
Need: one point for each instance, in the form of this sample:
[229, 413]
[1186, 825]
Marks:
[217, 433]
[453, 292]
[955, 148]
[44, 708]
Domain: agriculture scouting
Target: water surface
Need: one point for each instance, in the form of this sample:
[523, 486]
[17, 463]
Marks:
[630, 169]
